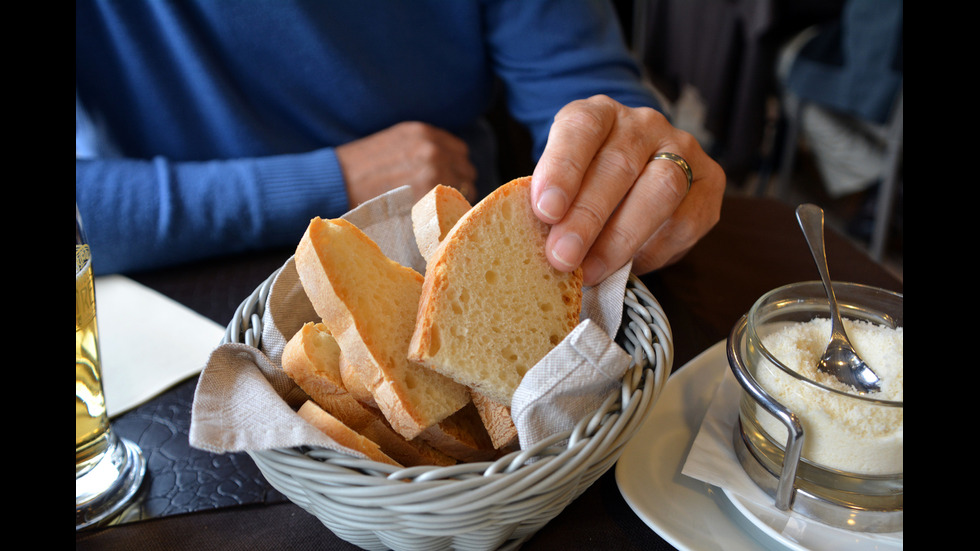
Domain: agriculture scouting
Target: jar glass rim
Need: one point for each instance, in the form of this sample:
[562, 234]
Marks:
[812, 292]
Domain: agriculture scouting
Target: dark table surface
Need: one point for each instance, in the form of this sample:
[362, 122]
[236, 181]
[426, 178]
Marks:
[197, 500]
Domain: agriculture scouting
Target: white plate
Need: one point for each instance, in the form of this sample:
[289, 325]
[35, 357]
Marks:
[687, 513]
[800, 534]
[691, 514]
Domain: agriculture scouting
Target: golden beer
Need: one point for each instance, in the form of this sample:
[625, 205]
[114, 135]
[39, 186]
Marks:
[109, 470]
[91, 421]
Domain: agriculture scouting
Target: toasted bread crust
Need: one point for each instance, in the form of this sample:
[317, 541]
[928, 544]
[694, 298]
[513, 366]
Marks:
[305, 359]
[434, 216]
[342, 434]
[462, 436]
[497, 421]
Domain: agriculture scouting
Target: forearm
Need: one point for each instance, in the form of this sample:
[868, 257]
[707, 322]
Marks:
[143, 214]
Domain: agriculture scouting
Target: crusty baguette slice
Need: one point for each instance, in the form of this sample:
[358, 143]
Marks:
[311, 358]
[369, 302]
[434, 215]
[342, 434]
[461, 435]
[353, 378]
[371, 424]
[492, 305]
[313, 361]
[497, 421]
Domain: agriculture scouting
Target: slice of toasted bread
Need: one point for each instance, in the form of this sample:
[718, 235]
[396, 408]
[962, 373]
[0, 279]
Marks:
[369, 303]
[492, 305]
[434, 215]
[342, 434]
[461, 435]
[311, 359]
[497, 421]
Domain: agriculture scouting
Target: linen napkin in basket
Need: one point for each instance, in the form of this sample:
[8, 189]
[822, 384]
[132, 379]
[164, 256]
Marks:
[244, 401]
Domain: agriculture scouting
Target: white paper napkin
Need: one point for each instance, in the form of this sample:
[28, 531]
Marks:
[239, 404]
[148, 341]
[712, 456]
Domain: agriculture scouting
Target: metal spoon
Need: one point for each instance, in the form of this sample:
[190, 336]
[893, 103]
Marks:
[840, 359]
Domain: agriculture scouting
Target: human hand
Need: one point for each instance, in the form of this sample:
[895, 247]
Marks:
[609, 201]
[408, 153]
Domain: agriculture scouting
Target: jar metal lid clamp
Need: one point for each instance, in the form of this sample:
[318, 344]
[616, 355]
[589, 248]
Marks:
[794, 443]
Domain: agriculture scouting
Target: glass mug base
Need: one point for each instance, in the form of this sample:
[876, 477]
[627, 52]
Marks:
[111, 484]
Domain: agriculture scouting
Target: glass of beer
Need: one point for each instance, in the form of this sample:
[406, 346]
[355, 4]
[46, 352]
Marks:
[108, 469]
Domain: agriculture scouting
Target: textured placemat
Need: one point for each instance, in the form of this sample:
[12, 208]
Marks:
[181, 479]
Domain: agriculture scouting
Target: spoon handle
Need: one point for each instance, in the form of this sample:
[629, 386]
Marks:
[811, 219]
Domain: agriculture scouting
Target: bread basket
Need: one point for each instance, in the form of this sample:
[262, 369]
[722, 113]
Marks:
[471, 506]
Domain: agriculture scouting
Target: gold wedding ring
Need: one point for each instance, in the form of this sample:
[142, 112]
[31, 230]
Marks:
[679, 161]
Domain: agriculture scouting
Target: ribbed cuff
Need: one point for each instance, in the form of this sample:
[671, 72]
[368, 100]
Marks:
[298, 187]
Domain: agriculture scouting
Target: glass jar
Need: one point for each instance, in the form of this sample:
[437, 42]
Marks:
[827, 452]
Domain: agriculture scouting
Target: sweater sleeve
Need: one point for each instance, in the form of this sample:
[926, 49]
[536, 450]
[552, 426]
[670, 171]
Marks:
[142, 214]
[549, 53]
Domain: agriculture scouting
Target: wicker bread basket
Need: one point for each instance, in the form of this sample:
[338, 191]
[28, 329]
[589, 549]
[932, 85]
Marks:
[471, 506]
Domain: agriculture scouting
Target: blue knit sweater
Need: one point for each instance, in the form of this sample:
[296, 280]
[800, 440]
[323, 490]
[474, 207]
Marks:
[207, 127]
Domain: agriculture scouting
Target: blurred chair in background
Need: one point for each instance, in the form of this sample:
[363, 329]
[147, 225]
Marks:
[843, 94]
[725, 51]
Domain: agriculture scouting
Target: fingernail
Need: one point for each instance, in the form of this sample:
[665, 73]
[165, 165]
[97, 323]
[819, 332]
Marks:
[593, 271]
[567, 250]
[552, 203]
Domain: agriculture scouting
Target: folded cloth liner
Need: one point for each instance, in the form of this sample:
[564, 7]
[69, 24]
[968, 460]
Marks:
[565, 385]
[245, 402]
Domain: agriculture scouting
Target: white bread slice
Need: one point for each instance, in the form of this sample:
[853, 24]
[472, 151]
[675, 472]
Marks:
[434, 215]
[371, 424]
[341, 433]
[492, 305]
[369, 302]
[311, 358]
[497, 421]
[462, 435]
[352, 376]
[313, 361]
